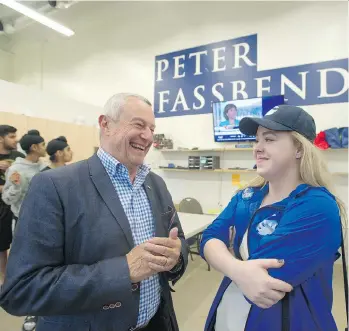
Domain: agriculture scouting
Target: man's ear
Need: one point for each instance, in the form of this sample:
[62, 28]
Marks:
[103, 122]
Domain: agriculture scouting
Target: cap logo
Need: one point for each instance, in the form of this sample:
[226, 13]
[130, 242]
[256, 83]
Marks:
[272, 111]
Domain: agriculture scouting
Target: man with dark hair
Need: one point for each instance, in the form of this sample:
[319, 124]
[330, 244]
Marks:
[59, 151]
[23, 170]
[8, 153]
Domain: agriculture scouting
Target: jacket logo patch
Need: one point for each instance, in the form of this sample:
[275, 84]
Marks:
[247, 193]
[266, 227]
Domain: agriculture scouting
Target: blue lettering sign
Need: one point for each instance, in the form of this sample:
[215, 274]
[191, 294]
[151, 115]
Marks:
[187, 81]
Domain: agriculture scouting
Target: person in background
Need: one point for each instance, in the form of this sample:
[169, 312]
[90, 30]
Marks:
[18, 177]
[277, 240]
[230, 113]
[60, 153]
[20, 173]
[19, 149]
[98, 241]
[8, 153]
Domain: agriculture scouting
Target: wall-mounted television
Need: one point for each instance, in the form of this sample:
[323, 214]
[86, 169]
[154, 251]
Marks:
[228, 114]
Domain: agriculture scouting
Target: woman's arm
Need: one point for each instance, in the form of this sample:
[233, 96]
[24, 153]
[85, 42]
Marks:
[250, 276]
[220, 258]
[220, 228]
[307, 238]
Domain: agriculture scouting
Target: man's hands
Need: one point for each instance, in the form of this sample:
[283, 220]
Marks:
[256, 284]
[156, 255]
[165, 252]
[138, 265]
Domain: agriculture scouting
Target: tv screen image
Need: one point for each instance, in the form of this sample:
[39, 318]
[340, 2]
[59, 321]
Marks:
[228, 114]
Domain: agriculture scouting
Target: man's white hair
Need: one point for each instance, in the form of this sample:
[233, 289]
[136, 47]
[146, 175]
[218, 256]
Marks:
[114, 106]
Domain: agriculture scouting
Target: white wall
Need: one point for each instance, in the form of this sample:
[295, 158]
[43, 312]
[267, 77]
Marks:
[6, 65]
[116, 43]
[20, 99]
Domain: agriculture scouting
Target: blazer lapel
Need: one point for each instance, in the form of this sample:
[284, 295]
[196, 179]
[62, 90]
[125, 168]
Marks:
[160, 230]
[102, 181]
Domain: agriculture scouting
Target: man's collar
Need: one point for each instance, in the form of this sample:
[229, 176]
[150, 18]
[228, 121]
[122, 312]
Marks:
[102, 154]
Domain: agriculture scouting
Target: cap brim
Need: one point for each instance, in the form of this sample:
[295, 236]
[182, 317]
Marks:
[249, 125]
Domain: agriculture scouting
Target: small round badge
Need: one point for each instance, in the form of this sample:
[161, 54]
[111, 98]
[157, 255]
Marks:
[247, 193]
[266, 227]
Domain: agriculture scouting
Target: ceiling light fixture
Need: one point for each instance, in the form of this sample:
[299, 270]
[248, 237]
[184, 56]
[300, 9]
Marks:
[37, 17]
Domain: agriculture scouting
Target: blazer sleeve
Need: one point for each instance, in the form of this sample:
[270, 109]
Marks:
[37, 280]
[219, 229]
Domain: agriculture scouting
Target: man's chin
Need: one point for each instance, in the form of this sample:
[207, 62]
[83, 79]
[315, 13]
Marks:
[136, 161]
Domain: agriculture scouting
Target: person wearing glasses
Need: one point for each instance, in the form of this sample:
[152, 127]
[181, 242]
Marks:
[277, 240]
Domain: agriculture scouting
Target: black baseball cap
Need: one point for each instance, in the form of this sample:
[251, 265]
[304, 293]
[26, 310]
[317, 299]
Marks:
[282, 118]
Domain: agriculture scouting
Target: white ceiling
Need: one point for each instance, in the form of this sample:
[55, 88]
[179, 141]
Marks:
[10, 14]
[21, 22]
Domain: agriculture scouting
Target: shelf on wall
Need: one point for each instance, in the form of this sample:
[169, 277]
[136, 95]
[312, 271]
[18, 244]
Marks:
[209, 170]
[238, 171]
[334, 150]
[230, 150]
[205, 150]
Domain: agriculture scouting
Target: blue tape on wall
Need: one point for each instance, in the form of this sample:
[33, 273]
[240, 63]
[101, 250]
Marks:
[187, 81]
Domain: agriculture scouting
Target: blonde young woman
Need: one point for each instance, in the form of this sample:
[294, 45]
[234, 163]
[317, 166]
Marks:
[277, 240]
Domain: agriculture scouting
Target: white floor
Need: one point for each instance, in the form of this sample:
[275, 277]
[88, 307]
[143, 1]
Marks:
[194, 295]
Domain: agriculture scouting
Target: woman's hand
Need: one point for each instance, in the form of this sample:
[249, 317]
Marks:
[250, 276]
[255, 283]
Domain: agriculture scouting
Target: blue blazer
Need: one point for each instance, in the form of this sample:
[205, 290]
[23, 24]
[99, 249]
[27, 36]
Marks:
[67, 263]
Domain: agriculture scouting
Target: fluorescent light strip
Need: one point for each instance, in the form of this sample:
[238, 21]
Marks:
[37, 17]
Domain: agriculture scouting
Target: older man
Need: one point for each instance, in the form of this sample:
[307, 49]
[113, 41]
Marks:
[98, 241]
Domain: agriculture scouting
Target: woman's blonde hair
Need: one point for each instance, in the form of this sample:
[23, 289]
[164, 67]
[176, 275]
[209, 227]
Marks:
[313, 171]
